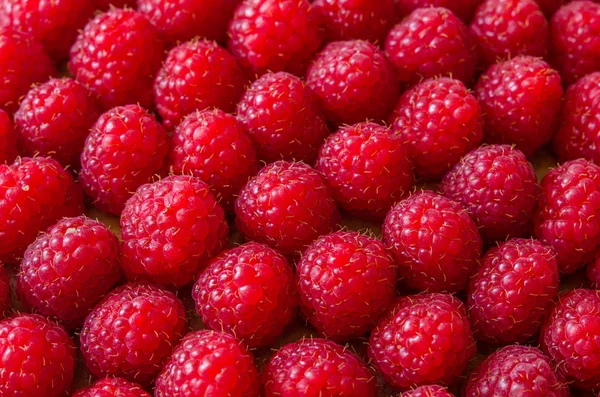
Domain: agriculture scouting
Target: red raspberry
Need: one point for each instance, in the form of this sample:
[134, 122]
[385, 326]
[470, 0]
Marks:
[213, 146]
[4, 291]
[23, 62]
[287, 206]
[427, 391]
[179, 89]
[354, 82]
[439, 120]
[38, 357]
[69, 268]
[575, 38]
[568, 214]
[499, 189]
[8, 139]
[463, 9]
[247, 291]
[569, 336]
[431, 42]
[34, 194]
[506, 28]
[317, 367]
[359, 19]
[170, 229]
[516, 371]
[112, 387]
[117, 56]
[54, 119]
[515, 284]
[209, 363]
[131, 332]
[274, 35]
[520, 100]
[346, 281]
[367, 168]
[125, 149]
[578, 135]
[423, 339]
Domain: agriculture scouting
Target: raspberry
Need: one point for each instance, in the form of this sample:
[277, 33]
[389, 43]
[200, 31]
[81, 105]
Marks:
[578, 135]
[179, 89]
[575, 39]
[213, 146]
[54, 119]
[354, 82]
[287, 206]
[170, 229]
[568, 214]
[69, 268]
[105, 5]
[346, 281]
[317, 367]
[112, 387]
[34, 194]
[367, 168]
[8, 139]
[431, 42]
[439, 120]
[514, 286]
[520, 100]
[4, 292]
[274, 35]
[209, 363]
[463, 9]
[131, 332]
[498, 187]
[283, 118]
[117, 56]
[53, 23]
[247, 291]
[360, 19]
[506, 28]
[569, 337]
[427, 391]
[516, 371]
[435, 242]
[38, 357]
[125, 149]
[23, 62]
[423, 339]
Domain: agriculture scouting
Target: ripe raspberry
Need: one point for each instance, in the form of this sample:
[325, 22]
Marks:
[34, 194]
[593, 273]
[431, 42]
[23, 62]
[8, 139]
[105, 5]
[274, 35]
[209, 363]
[520, 100]
[117, 56]
[179, 89]
[427, 391]
[38, 357]
[575, 39]
[506, 28]
[498, 187]
[69, 268]
[4, 292]
[569, 337]
[317, 367]
[247, 291]
[112, 387]
[170, 229]
[354, 82]
[423, 339]
[287, 206]
[125, 149]
[54, 119]
[131, 332]
[516, 371]
[578, 135]
[463, 9]
[439, 121]
[359, 19]
[367, 168]
[213, 146]
[568, 214]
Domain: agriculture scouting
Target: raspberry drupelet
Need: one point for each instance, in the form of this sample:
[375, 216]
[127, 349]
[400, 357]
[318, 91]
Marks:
[463, 9]
[427, 391]
[8, 139]
[112, 387]
[4, 292]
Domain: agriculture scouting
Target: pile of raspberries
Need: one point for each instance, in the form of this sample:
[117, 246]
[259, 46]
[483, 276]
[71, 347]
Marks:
[294, 198]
